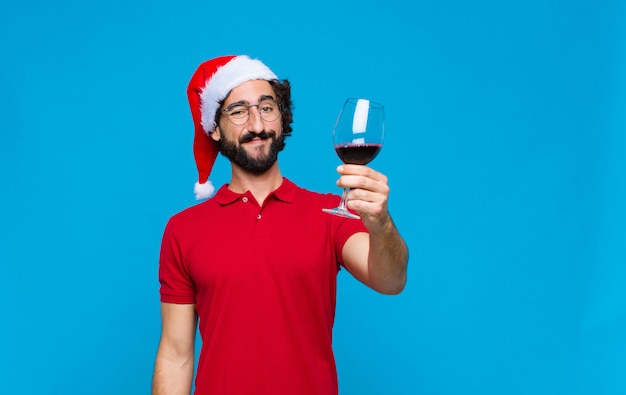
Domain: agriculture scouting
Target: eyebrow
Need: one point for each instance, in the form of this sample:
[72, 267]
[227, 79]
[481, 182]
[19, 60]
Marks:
[245, 102]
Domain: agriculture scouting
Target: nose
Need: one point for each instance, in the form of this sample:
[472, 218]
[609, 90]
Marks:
[255, 122]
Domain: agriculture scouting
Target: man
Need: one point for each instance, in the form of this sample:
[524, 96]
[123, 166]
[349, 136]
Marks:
[255, 265]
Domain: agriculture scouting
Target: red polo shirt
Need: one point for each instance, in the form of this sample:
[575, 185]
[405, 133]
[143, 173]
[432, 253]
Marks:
[263, 281]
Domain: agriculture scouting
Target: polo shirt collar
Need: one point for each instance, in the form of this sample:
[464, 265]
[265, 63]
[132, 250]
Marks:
[285, 192]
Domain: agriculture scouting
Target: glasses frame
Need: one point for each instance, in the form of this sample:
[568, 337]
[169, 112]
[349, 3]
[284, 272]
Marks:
[244, 120]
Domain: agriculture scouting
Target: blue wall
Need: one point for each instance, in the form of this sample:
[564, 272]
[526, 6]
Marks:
[505, 152]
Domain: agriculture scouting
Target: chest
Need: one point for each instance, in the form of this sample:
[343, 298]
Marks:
[249, 246]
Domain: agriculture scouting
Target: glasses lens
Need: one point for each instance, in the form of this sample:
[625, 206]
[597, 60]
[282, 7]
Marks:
[237, 114]
[240, 113]
[269, 110]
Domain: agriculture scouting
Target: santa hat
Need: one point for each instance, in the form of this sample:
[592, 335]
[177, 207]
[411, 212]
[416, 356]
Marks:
[210, 84]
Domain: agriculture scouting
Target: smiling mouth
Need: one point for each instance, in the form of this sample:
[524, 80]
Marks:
[255, 142]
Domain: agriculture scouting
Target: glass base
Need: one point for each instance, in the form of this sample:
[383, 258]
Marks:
[340, 212]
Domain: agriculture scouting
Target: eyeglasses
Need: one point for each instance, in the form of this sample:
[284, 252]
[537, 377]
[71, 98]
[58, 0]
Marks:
[239, 113]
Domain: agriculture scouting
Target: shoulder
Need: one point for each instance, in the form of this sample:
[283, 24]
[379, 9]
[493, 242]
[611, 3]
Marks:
[195, 214]
[308, 196]
[195, 210]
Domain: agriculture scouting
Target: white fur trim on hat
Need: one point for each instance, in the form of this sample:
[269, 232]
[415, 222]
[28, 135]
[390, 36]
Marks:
[234, 73]
[203, 191]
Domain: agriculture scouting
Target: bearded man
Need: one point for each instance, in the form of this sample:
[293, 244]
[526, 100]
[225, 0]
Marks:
[255, 266]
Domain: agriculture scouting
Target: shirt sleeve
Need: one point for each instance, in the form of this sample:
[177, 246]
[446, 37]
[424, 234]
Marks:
[344, 229]
[177, 285]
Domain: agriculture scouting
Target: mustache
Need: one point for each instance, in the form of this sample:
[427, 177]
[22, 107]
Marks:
[251, 136]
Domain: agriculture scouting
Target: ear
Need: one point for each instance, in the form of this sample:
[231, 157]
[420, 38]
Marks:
[216, 134]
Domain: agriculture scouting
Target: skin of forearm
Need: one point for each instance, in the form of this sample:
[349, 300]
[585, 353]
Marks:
[172, 377]
[387, 260]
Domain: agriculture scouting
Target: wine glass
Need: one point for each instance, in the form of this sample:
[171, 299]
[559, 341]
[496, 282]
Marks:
[357, 138]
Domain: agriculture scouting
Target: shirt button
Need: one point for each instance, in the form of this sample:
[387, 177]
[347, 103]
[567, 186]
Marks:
[258, 216]
[245, 199]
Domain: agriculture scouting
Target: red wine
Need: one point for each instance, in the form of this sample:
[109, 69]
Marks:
[357, 154]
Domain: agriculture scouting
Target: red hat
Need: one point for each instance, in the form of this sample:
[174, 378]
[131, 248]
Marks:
[209, 85]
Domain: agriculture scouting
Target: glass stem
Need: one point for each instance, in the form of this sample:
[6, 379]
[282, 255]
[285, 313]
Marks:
[342, 204]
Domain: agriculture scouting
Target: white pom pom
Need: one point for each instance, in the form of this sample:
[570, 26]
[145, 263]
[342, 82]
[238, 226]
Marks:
[203, 191]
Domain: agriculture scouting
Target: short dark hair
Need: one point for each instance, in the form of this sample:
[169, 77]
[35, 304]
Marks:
[283, 96]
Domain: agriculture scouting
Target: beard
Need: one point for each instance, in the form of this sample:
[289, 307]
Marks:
[236, 153]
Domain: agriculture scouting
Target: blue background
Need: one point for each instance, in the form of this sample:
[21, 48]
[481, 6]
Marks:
[505, 153]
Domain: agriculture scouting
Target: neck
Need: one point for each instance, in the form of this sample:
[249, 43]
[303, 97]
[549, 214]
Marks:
[260, 185]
